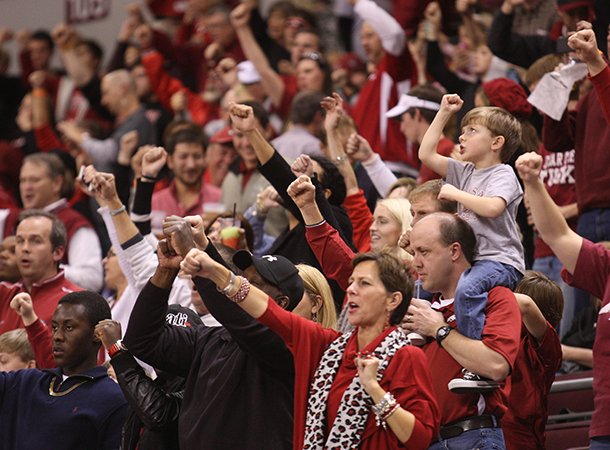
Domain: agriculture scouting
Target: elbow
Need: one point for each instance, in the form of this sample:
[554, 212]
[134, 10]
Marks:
[494, 209]
[499, 370]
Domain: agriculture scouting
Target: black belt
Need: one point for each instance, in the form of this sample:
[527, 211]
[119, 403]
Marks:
[454, 429]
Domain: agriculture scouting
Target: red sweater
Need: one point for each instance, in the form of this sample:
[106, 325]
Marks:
[588, 133]
[601, 83]
[407, 377]
[367, 113]
[534, 373]
[360, 216]
[45, 296]
[165, 86]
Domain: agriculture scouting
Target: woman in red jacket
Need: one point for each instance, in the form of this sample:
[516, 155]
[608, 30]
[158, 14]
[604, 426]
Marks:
[365, 389]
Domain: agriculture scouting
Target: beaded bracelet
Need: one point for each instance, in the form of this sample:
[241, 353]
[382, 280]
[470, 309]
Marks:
[242, 292]
[383, 409]
[384, 420]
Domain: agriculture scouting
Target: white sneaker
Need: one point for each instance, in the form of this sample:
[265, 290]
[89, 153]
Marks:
[416, 339]
[471, 383]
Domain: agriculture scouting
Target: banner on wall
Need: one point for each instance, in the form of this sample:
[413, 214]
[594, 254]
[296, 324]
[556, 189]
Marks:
[86, 11]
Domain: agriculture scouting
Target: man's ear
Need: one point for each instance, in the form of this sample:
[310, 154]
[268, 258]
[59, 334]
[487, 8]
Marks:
[327, 193]
[170, 162]
[31, 364]
[456, 251]
[58, 253]
[58, 183]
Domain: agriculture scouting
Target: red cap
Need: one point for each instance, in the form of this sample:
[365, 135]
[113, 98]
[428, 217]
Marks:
[223, 136]
[509, 95]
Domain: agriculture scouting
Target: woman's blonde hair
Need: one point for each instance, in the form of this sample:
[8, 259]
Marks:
[316, 285]
[400, 210]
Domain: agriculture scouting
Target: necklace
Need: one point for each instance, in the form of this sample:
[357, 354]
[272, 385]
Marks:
[54, 393]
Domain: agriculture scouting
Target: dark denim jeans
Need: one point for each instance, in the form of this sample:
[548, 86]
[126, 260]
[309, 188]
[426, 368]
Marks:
[471, 293]
[481, 439]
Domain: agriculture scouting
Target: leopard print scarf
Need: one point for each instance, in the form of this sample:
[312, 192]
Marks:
[355, 405]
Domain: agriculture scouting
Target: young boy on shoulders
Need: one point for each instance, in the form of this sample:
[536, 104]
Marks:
[488, 194]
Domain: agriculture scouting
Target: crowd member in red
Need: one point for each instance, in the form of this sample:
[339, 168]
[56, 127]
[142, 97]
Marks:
[40, 244]
[219, 156]
[587, 266]
[41, 185]
[415, 111]
[540, 302]
[384, 43]
[443, 246]
[585, 45]
[338, 377]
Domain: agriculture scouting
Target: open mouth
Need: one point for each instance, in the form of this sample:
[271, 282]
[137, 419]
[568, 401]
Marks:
[351, 307]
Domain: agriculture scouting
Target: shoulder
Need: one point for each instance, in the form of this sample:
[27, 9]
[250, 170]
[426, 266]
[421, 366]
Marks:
[501, 294]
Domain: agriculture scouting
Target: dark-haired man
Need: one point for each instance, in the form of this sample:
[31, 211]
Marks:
[40, 241]
[188, 193]
[74, 406]
[443, 246]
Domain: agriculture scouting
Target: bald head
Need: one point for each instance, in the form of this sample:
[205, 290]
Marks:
[449, 229]
[443, 246]
[119, 91]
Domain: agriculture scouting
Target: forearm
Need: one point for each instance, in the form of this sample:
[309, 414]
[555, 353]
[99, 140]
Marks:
[427, 148]
[531, 316]
[336, 152]
[551, 225]
[490, 207]
[39, 337]
[271, 82]
[569, 211]
[582, 356]
[263, 149]
[475, 356]
[152, 404]
[140, 212]
[401, 422]
[40, 108]
[381, 176]
[124, 226]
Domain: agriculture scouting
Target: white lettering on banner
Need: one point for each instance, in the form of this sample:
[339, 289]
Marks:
[80, 11]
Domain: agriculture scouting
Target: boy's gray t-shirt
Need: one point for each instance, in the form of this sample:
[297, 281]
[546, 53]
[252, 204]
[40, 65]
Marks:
[497, 239]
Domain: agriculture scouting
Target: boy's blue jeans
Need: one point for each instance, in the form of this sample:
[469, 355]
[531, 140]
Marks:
[471, 293]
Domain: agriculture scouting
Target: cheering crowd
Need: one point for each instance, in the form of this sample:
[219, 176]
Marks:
[305, 225]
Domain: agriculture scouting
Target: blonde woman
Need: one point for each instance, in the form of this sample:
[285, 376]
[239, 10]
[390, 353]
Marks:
[319, 298]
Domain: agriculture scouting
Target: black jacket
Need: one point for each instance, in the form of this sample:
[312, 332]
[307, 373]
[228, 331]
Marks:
[239, 383]
[152, 418]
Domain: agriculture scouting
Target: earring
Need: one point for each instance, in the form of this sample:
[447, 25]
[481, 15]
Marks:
[314, 316]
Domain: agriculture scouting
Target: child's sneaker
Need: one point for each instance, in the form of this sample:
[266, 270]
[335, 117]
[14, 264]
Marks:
[471, 383]
[416, 339]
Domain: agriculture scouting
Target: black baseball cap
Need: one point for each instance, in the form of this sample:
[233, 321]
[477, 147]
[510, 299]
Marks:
[276, 270]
